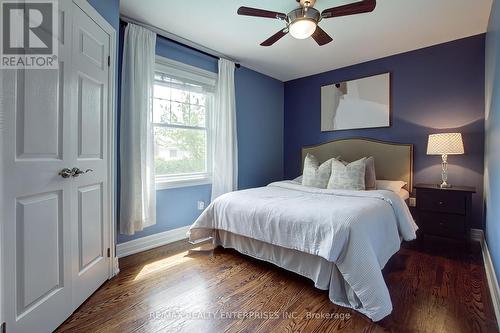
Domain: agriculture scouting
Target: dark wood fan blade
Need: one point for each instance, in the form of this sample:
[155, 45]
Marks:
[274, 38]
[321, 37]
[261, 13]
[359, 7]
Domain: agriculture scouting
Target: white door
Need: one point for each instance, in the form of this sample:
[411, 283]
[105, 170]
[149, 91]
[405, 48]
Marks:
[36, 200]
[56, 230]
[89, 218]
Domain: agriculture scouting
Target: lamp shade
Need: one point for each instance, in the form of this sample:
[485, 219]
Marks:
[445, 144]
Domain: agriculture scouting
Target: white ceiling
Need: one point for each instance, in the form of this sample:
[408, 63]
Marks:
[394, 27]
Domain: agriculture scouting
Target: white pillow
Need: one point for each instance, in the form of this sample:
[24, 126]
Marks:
[391, 185]
[314, 174]
[348, 176]
[404, 194]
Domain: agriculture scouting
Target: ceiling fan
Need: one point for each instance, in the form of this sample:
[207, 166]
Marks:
[303, 22]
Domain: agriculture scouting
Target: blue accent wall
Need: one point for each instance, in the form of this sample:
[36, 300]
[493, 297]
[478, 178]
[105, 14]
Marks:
[259, 116]
[175, 51]
[175, 208]
[435, 89]
[109, 9]
[259, 113]
[492, 146]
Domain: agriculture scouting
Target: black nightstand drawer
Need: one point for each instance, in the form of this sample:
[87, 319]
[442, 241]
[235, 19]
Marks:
[446, 225]
[437, 201]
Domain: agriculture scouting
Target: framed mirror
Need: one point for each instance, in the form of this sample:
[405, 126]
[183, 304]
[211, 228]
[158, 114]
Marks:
[357, 104]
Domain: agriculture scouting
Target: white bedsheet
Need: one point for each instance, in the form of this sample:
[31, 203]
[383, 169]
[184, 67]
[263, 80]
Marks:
[358, 231]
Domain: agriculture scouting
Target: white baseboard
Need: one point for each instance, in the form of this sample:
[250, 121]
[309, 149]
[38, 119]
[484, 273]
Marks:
[149, 242]
[116, 266]
[478, 235]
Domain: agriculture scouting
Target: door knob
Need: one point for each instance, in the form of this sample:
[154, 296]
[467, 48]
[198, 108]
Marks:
[66, 173]
[77, 172]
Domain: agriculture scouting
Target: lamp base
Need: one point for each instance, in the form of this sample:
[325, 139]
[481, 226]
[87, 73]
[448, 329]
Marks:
[444, 172]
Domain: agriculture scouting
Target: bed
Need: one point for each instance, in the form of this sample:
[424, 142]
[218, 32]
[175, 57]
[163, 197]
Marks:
[339, 239]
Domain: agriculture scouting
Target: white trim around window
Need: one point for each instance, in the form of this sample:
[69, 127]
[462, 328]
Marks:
[208, 80]
[165, 183]
[188, 72]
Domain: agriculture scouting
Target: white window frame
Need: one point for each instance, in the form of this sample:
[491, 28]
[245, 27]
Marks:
[205, 78]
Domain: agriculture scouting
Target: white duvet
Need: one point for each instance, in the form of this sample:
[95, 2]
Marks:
[358, 231]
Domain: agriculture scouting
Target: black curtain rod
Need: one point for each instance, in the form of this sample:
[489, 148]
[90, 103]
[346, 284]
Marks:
[123, 23]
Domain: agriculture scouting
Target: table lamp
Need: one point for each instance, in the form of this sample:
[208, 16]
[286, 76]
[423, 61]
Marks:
[445, 144]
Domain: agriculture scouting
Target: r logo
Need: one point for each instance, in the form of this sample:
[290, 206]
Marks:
[27, 28]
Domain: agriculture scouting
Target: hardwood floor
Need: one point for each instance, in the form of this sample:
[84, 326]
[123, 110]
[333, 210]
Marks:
[434, 288]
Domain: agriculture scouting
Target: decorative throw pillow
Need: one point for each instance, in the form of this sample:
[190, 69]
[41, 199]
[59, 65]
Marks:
[348, 177]
[314, 174]
[370, 175]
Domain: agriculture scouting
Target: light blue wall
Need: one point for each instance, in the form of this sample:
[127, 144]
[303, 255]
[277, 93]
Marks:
[492, 141]
[259, 113]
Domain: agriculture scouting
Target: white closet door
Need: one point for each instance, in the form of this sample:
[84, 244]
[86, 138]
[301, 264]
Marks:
[89, 219]
[37, 201]
[56, 230]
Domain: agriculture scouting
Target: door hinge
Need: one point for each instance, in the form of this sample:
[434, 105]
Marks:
[3, 328]
[109, 61]
[109, 252]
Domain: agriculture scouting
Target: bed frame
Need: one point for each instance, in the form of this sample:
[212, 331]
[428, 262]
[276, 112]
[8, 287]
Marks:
[393, 161]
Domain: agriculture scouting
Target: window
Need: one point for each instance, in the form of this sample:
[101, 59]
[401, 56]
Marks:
[182, 101]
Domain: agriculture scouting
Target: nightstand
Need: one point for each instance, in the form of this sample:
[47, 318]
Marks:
[444, 212]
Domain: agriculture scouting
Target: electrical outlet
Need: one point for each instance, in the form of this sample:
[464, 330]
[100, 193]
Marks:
[201, 205]
[413, 202]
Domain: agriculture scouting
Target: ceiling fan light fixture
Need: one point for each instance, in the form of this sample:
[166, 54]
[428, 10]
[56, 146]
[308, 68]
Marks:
[302, 22]
[302, 28]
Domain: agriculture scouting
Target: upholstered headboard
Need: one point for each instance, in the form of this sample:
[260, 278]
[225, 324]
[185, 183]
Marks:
[393, 161]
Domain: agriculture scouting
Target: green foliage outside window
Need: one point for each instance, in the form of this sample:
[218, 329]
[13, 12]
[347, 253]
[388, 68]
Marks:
[190, 142]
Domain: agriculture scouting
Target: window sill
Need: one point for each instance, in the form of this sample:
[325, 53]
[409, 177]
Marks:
[165, 184]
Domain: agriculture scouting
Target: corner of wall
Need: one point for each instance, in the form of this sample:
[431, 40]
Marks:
[492, 135]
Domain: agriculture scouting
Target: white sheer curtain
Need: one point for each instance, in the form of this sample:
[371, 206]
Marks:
[137, 192]
[225, 156]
